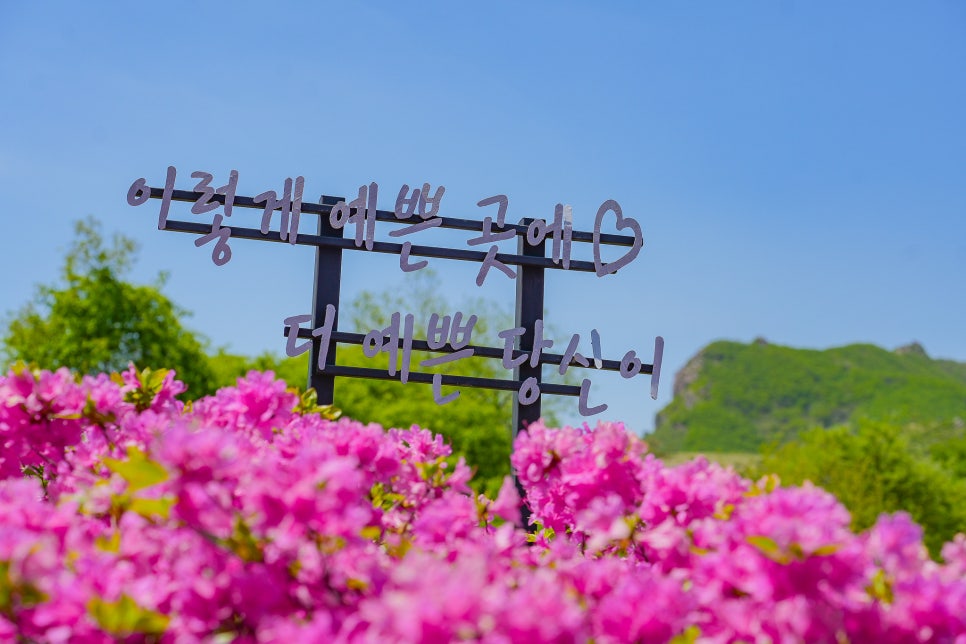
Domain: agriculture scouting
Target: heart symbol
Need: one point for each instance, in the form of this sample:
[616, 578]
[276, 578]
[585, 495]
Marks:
[622, 222]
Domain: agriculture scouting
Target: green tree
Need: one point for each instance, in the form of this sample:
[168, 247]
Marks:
[94, 320]
[873, 469]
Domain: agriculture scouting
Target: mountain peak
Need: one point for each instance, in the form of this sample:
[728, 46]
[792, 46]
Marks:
[913, 348]
[735, 397]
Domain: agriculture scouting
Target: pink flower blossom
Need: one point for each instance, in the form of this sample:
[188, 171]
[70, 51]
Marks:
[242, 519]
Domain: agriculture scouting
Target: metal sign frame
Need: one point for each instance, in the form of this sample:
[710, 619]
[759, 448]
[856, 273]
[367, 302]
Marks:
[329, 242]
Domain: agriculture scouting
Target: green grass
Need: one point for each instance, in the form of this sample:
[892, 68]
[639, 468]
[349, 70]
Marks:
[740, 461]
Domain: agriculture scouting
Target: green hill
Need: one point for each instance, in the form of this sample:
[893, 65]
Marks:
[734, 397]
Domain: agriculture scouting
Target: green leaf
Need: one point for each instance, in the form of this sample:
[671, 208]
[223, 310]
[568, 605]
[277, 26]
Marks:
[16, 595]
[308, 404]
[20, 367]
[724, 512]
[356, 584]
[828, 549]
[97, 417]
[881, 587]
[151, 382]
[149, 508]
[376, 494]
[689, 635]
[138, 470]
[124, 617]
[546, 533]
[371, 532]
[766, 545]
[766, 485]
[155, 379]
[243, 543]
[109, 545]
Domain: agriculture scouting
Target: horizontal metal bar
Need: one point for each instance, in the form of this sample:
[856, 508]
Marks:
[450, 380]
[478, 351]
[379, 247]
[327, 202]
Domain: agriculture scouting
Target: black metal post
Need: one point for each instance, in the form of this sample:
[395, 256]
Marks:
[328, 281]
[529, 309]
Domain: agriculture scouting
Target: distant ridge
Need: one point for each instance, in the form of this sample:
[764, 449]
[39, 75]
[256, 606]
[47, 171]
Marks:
[734, 397]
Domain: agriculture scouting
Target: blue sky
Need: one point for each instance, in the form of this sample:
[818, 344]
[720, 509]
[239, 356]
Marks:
[798, 168]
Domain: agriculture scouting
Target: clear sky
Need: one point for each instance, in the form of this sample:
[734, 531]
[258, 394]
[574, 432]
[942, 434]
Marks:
[798, 168]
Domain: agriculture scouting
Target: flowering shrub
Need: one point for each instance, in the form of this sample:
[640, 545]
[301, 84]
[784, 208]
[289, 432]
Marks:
[248, 516]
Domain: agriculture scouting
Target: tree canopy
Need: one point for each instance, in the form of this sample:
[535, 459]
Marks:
[877, 468]
[93, 320]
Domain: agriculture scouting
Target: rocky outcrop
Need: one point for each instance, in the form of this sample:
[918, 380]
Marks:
[913, 348]
[686, 377]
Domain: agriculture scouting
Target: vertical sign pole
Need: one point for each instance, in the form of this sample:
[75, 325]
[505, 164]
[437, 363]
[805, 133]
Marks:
[529, 309]
[328, 279]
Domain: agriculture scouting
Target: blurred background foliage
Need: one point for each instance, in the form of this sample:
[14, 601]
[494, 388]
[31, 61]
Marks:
[94, 320]
[875, 467]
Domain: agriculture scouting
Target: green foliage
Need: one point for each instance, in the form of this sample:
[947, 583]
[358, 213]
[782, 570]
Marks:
[16, 594]
[951, 454]
[94, 321]
[124, 617]
[137, 470]
[309, 404]
[151, 382]
[741, 462]
[735, 398]
[874, 469]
